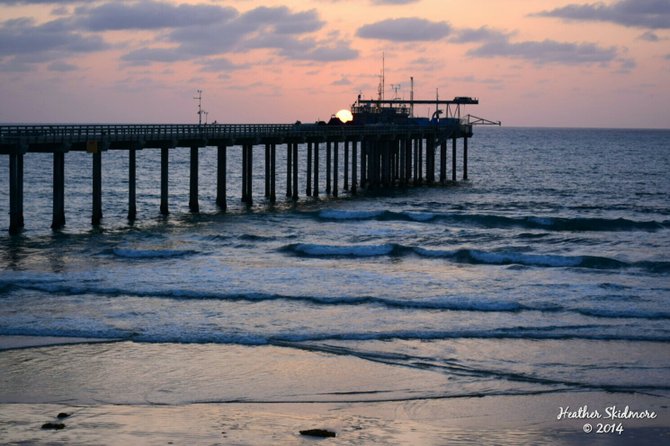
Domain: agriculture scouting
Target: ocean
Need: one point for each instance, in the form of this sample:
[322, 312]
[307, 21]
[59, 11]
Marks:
[547, 271]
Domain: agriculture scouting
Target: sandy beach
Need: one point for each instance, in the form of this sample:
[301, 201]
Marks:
[318, 391]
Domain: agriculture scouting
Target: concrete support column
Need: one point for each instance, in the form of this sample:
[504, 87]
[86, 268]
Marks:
[164, 180]
[430, 160]
[420, 163]
[336, 149]
[308, 187]
[15, 193]
[346, 165]
[453, 159]
[96, 216]
[289, 165]
[443, 161]
[221, 168]
[365, 146]
[295, 171]
[415, 161]
[273, 172]
[250, 174]
[408, 160]
[267, 170]
[354, 147]
[58, 220]
[328, 166]
[247, 173]
[402, 160]
[244, 174]
[132, 184]
[465, 158]
[385, 153]
[316, 170]
[193, 204]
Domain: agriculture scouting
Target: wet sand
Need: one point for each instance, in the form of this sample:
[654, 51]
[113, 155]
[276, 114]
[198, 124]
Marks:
[252, 408]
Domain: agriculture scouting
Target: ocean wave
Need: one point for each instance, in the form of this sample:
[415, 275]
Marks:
[317, 250]
[336, 214]
[473, 256]
[182, 335]
[438, 303]
[628, 313]
[128, 253]
[576, 224]
[441, 303]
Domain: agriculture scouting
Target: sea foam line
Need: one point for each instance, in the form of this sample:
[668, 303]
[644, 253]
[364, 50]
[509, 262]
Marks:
[182, 335]
[472, 256]
[574, 224]
[444, 303]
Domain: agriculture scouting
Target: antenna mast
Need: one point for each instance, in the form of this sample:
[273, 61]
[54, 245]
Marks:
[411, 98]
[200, 111]
[383, 76]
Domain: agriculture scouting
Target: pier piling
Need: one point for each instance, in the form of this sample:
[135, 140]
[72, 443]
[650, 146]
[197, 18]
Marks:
[289, 163]
[329, 150]
[193, 204]
[308, 173]
[453, 159]
[165, 154]
[295, 171]
[346, 164]
[96, 216]
[443, 161]
[315, 190]
[58, 219]
[221, 167]
[354, 147]
[465, 158]
[273, 172]
[335, 167]
[267, 170]
[15, 192]
[132, 184]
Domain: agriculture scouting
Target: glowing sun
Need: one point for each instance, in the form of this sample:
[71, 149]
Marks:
[344, 116]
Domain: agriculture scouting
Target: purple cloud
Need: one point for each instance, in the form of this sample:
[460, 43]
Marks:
[405, 30]
[547, 52]
[654, 14]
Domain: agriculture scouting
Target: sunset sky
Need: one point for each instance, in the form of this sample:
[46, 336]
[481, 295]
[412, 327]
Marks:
[530, 62]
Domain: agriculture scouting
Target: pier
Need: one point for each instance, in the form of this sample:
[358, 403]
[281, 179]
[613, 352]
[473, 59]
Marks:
[374, 157]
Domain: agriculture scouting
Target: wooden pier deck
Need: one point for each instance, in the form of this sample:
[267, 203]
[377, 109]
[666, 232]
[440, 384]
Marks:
[374, 156]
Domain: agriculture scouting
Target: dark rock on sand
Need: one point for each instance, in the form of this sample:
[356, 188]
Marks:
[62, 415]
[323, 433]
[53, 426]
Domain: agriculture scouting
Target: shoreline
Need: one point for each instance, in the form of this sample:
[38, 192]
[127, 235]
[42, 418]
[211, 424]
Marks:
[11, 342]
[132, 393]
[485, 420]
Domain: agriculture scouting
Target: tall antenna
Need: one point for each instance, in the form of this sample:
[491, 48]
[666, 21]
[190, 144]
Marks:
[383, 76]
[411, 98]
[200, 111]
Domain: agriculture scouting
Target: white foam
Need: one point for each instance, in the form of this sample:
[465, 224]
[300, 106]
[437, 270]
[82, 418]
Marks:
[344, 250]
[420, 216]
[149, 253]
[336, 214]
[524, 259]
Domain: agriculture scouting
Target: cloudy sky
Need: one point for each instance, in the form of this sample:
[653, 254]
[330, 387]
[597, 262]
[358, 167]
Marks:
[530, 62]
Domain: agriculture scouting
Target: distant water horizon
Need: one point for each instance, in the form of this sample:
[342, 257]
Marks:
[547, 271]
